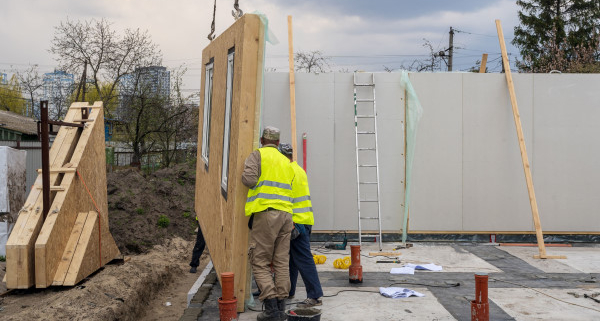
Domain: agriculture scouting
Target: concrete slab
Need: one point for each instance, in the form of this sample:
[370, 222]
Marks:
[526, 304]
[451, 259]
[351, 306]
[579, 259]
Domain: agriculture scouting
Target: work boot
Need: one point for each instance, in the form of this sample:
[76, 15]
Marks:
[281, 307]
[271, 312]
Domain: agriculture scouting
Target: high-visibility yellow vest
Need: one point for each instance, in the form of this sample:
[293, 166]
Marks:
[274, 186]
[302, 206]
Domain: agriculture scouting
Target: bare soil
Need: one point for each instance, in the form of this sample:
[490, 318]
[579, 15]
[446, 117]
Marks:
[157, 271]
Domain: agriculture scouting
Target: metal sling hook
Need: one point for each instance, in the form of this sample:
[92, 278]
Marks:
[237, 13]
[212, 25]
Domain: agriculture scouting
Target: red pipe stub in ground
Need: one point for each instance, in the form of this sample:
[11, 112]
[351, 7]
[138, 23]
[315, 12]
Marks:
[228, 309]
[480, 307]
[227, 286]
[355, 270]
[228, 302]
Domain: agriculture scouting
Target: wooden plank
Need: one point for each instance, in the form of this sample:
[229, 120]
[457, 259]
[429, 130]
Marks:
[292, 90]
[52, 188]
[89, 236]
[385, 253]
[222, 218]
[67, 257]
[524, 158]
[483, 63]
[59, 170]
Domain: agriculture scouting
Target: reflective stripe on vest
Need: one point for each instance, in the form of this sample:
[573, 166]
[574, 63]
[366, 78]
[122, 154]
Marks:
[274, 186]
[302, 206]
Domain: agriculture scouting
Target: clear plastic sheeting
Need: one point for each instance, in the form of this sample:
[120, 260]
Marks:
[414, 111]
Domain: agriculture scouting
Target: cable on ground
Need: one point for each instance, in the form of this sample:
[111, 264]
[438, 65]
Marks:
[548, 295]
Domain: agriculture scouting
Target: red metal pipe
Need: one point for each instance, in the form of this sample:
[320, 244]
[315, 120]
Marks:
[228, 301]
[304, 151]
[480, 308]
[355, 270]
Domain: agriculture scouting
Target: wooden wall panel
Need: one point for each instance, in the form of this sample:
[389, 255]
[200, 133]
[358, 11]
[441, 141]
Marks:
[222, 218]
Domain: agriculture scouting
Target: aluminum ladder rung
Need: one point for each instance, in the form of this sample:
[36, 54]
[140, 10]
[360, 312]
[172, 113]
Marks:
[367, 98]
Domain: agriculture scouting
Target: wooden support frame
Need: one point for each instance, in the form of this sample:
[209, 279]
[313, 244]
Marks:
[483, 63]
[292, 90]
[36, 247]
[222, 219]
[526, 167]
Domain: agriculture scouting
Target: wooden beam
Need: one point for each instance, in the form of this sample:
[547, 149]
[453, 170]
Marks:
[292, 90]
[385, 253]
[524, 158]
[59, 170]
[483, 63]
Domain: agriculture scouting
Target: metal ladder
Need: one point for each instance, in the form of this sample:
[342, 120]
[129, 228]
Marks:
[366, 149]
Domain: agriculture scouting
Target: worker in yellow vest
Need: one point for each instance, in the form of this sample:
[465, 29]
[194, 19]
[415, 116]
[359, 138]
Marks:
[269, 176]
[301, 259]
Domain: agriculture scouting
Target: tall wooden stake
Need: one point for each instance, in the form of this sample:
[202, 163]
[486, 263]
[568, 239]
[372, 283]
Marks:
[526, 167]
[292, 90]
[483, 63]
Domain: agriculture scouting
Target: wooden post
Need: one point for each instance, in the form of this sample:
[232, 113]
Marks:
[292, 90]
[524, 158]
[483, 63]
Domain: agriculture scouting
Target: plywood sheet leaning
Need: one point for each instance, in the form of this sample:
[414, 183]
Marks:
[41, 251]
[220, 210]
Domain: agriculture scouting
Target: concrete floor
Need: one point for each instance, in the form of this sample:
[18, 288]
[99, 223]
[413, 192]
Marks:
[520, 287]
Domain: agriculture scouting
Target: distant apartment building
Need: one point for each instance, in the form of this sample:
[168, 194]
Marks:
[145, 82]
[58, 87]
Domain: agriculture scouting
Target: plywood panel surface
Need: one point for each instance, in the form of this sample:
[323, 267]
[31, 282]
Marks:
[221, 217]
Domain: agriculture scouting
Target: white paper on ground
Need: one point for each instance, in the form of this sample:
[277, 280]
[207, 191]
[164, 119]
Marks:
[429, 267]
[396, 293]
[403, 270]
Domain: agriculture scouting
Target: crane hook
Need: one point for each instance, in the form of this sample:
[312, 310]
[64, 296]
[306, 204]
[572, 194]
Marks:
[237, 13]
[212, 25]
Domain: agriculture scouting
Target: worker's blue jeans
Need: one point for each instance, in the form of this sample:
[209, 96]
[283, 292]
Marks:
[301, 260]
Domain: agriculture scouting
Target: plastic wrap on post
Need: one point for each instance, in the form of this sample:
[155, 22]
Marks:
[413, 114]
[270, 38]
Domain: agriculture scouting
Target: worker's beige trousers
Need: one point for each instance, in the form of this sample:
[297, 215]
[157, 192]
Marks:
[270, 242]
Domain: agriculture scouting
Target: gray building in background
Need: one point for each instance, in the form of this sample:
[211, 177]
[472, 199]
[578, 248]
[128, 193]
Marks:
[58, 87]
[149, 81]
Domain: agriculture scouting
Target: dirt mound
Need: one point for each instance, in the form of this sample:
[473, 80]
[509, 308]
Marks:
[145, 210]
[116, 292]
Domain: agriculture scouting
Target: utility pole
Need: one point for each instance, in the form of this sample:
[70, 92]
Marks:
[450, 48]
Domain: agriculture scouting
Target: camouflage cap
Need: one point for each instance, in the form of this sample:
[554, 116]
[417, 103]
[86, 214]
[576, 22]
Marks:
[270, 133]
[286, 149]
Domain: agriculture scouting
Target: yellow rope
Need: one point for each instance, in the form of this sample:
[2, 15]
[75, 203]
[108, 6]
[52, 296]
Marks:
[342, 263]
[319, 259]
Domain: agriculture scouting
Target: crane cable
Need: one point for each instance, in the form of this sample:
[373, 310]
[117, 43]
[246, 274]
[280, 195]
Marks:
[237, 13]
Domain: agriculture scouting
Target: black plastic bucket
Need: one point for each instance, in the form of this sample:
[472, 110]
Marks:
[303, 314]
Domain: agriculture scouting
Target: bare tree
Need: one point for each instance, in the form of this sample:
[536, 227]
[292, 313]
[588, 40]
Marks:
[312, 61]
[30, 82]
[108, 55]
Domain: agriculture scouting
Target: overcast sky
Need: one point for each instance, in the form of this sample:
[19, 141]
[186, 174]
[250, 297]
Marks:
[366, 35]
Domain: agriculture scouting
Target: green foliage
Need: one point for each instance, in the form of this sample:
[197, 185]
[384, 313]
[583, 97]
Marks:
[557, 34]
[2, 258]
[139, 211]
[163, 221]
[181, 181]
[187, 214]
[11, 96]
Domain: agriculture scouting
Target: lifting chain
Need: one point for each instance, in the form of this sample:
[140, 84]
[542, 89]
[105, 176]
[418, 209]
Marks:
[237, 13]
[212, 25]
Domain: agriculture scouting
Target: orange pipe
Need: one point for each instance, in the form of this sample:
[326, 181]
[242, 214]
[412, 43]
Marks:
[534, 244]
[355, 270]
[480, 307]
[227, 285]
[227, 302]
